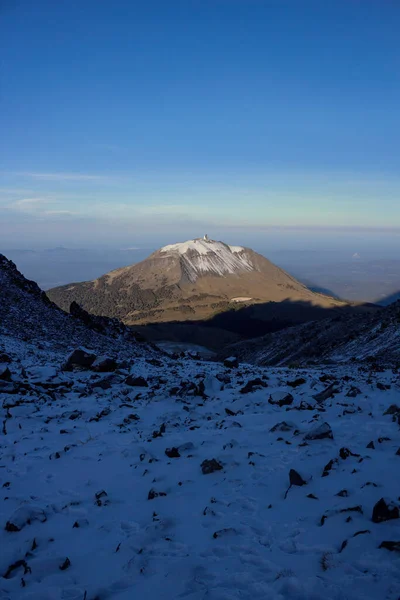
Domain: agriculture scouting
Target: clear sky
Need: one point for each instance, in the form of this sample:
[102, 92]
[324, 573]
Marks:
[127, 119]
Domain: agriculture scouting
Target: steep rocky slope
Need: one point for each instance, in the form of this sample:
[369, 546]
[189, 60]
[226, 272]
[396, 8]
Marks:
[369, 336]
[27, 314]
[189, 281]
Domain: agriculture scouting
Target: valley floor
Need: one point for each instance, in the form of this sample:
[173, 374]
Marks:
[95, 509]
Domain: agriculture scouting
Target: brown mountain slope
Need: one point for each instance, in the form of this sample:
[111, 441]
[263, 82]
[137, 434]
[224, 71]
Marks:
[189, 281]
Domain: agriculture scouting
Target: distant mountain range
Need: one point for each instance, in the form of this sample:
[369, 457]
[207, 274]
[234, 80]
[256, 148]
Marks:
[194, 281]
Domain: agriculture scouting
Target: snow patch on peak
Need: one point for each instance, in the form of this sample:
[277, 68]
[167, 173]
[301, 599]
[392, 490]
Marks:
[203, 256]
[202, 246]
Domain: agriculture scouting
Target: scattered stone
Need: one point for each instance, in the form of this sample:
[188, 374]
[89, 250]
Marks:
[329, 392]
[160, 432]
[321, 432]
[364, 531]
[328, 467]
[17, 565]
[99, 498]
[371, 445]
[343, 494]
[24, 515]
[382, 386]
[5, 373]
[295, 478]
[224, 532]
[80, 359]
[65, 565]
[392, 410]
[331, 513]
[210, 466]
[345, 453]
[231, 362]
[172, 453]
[296, 382]
[280, 399]
[353, 392]
[385, 511]
[283, 426]
[312, 496]
[103, 364]
[253, 385]
[136, 381]
[153, 494]
[392, 546]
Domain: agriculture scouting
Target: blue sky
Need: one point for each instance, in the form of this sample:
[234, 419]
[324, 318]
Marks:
[131, 119]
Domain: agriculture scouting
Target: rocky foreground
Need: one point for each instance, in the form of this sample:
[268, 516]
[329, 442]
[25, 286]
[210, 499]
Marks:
[152, 477]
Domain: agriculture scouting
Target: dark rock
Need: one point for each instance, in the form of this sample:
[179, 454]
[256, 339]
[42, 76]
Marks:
[5, 358]
[79, 359]
[172, 453]
[104, 365]
[282, 426]
[18, 564]
[296, 382]
[327, 393]
[160, 432]
[392, 546]
[328, 467]
[295, 478]
[285, 400]
[5, 373]
[371, 445]
[231, 362]
[353, 392]
[392, 410]
[345, 453]
[320, 432]
[398, 452]
[382, 386]
[384, 511]
[312, 497]
[331, 513]
[103, 384]
[343, 494]
[253, 385]
[224, 532]
[100, 498]
[153, 494]
[136, 381]
[65, 565]
[210, 466]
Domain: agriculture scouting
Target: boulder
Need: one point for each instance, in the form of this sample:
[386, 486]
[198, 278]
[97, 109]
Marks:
[5, 373]
[210, 466]
[103, 364]
[280, 399]
[136, 381]
[295, 478]
[253, 385]
[385, 510]
[320, 432]
[24, 515]
[231, 362]
[79, 358]
[392, 546]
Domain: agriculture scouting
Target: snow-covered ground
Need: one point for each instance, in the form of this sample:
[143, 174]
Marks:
[92, 507]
